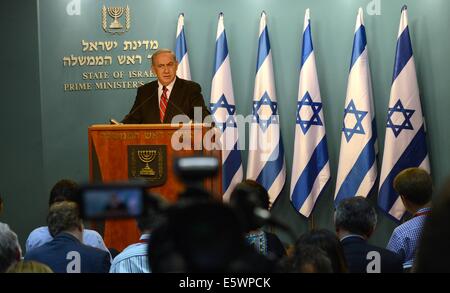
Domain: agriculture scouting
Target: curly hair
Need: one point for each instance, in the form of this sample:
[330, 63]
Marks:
[63, 216]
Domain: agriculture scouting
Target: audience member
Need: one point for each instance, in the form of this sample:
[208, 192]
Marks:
[355, 220]
[415, 189]
[205, 236]
[310, 259]
[329, 243]
[66, 252]
[29, 267]
[10, 251]
[63, 190]
[246, 199]
[134, 258]
[433, 254]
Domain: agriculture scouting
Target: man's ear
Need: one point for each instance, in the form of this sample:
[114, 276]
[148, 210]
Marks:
[18, 254]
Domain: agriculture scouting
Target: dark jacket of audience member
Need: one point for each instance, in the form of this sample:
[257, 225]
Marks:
[433, 255]
[246, 198]
[355, 220]
[329, 243]
[66, 252]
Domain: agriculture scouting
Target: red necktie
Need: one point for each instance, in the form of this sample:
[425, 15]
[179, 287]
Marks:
[163, 104]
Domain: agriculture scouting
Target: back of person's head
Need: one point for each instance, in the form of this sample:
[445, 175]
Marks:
[64, 189]
[10, 251]
[29, 267]
[433, 253]
[245, 198]
[355, 215]
[200, 237]
[310, 259]
[63, 216]
[154, 206]
[329, 243]
[415, 185]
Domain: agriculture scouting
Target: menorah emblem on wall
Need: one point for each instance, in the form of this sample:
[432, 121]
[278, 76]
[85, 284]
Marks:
[147, 156]
[116, 13]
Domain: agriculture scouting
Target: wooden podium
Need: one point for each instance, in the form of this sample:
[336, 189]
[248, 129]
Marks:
[112, 155]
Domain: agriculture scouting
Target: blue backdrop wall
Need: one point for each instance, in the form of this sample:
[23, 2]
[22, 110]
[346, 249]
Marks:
[45, 126]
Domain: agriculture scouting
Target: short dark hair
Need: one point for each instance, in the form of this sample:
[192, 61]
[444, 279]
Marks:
[356, 215]
[329, 243]
[310, 259]
[63, 216]
[64, 189]
[415, 185]
[153, 209]
[247, 196]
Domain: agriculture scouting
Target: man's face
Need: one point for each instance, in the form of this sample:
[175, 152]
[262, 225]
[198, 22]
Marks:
[165, 68]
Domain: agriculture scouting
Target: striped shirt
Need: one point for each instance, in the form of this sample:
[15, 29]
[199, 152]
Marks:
[133, 259]
[405, 238]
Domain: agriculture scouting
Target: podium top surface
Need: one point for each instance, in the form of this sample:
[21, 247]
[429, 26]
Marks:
[122, 127]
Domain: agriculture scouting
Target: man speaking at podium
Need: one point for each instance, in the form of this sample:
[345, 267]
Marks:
[160, 100]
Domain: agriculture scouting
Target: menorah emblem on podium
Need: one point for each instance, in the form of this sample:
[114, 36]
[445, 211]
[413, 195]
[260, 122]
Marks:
[116, 12]
[147, 156]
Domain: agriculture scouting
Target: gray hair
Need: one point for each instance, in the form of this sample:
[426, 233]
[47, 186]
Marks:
[9, 247]
[356, 215]
[161, 51]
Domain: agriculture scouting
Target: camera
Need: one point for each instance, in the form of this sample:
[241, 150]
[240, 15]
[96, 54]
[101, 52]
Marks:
[196, 168]
[108, 201]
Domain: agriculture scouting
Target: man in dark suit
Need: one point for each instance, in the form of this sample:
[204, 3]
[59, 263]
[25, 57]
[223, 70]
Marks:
[66, 253]
[161, 100]
[355, 220]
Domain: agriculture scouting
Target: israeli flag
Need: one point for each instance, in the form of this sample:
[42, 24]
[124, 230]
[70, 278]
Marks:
[266, 162]
[181, 52]
[223, 110]
[357, 169]
[405, 145]
[310, 169]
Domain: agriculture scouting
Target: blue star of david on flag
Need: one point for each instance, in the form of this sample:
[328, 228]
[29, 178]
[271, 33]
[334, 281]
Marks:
[359, 116]
[265, 123]
[407, 114]
[307, 101]
[231, 109]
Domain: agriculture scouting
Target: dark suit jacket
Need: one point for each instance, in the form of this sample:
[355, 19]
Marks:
[184, 97]
[356, 250]
[55, 254]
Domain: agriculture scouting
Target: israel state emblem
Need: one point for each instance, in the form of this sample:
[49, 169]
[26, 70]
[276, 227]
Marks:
[148, 162]
[116, 15]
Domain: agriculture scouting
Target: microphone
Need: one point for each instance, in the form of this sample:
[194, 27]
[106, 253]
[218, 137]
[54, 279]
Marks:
[140, 105]
[176, 108]
[113, 121]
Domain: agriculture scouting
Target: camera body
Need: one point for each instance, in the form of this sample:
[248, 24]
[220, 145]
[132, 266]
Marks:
[107, 201]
